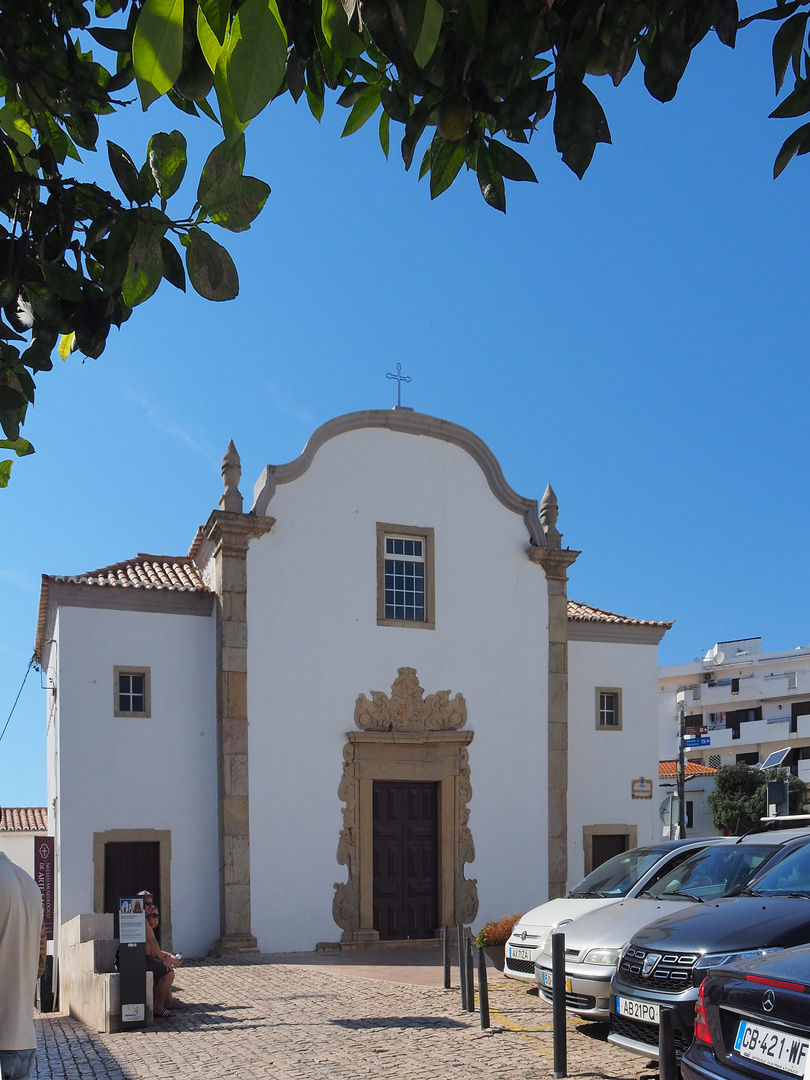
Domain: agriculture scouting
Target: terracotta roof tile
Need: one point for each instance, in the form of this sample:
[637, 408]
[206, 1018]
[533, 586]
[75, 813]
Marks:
[669, 769]
[24, 819]
[176, 572]
[585, 613]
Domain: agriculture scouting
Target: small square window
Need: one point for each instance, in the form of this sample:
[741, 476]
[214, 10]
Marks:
[608, 708]
[405, 576]
[132, 692]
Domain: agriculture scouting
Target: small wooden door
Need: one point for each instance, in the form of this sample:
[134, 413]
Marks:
[606, 846]
[128, 868]
[406, 882]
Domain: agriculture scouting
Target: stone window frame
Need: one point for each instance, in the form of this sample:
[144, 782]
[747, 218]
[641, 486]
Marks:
[426, 535]
[617, 691]
[133, 669]
[590, 831]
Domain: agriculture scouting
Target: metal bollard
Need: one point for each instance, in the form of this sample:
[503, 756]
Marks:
[462, 974]
[667, 1060]
[446, 955]
[483, 990]
[560, 1038]
[470, 977]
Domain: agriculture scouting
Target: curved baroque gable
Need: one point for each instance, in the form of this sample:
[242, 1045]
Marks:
[411, 423]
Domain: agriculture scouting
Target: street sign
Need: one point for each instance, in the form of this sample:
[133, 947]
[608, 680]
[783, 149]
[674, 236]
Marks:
[697, 742]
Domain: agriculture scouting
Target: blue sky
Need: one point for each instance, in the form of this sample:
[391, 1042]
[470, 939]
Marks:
[637, 339]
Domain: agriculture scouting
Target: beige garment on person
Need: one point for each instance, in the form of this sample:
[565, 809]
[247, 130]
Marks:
[20, 924]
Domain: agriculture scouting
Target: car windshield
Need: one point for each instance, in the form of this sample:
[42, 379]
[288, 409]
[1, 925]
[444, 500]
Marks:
[618, 875]
[716, 871]
[791, 876]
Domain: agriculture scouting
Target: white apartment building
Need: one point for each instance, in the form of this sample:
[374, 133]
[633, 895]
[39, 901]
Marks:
[740, 704]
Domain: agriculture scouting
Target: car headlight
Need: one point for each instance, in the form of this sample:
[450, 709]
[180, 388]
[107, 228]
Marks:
[547, 942]
[602, 957]
[712, 960]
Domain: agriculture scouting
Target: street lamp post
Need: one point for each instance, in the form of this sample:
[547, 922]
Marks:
[681, 767]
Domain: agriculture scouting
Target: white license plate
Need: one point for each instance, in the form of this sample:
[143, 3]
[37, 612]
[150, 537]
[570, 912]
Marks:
[520, 954]
[646, 1011]
[547, 979]
[768, 1046]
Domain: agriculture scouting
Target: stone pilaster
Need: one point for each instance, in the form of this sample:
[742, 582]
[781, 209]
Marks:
[231, 532]
[555, 562]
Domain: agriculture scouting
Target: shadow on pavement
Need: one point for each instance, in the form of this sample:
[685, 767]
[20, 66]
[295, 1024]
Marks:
[398, 1022]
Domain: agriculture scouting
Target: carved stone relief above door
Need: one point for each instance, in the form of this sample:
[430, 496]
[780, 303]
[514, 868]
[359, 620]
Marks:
[408, 737]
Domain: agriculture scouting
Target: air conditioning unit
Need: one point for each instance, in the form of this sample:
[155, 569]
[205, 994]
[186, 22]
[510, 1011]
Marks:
[708, 676]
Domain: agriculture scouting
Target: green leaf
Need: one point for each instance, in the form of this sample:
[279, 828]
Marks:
[446, 161]
[114, 39]
[166, 156]
[414, 129]
[490, 181]
[510, 163]
[65, 282]
[787, 46]
[124, 171]
[339, 36]
[239, 210]
[579, 124]
[776, 14]
[157, 48]
[117, 248]
[144, 267]
[352, 92]
[21, 447]
[429, 32]
[173, 270]
[314, 90]
[209, 41]
[215, 13]
[232, 126]
[363, 109]
[256, 57]
[221, 173]
[210, 267]
[796, 143]
[385, 138]
[795, 104]
[5, 473]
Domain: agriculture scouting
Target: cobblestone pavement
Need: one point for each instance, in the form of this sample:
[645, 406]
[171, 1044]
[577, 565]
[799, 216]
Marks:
[255, 1019]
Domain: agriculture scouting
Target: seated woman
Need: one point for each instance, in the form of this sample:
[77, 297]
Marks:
[162, 965]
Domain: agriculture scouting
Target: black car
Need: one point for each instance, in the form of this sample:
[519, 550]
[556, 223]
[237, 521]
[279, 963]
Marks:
[665, 962]
[752, 1020]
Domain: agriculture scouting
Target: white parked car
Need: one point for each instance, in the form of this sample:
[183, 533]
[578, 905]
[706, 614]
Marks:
[594, 941]
[626, 874]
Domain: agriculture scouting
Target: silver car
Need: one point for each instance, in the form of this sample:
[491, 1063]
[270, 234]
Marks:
[626, 874]
[594, 941]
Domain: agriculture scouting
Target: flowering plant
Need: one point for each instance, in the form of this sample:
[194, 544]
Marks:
[496, 933]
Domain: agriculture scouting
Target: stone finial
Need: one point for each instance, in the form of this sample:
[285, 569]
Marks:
[231, 475]
[549, 511]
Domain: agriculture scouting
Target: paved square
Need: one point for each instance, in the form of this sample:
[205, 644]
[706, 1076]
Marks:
[255, 1018]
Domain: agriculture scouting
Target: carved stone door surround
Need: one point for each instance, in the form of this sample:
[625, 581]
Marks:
[411, 738]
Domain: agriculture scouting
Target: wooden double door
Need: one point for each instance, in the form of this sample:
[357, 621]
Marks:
[406, 859]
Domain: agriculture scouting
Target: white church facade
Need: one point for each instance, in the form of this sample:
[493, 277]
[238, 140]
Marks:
[359, 710]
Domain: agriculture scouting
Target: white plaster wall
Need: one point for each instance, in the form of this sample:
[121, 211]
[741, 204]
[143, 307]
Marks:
[314, 646]
[157, 773]
[603, 763]
[19, 846]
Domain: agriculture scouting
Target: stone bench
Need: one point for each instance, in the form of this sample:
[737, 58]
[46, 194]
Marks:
[89, 984]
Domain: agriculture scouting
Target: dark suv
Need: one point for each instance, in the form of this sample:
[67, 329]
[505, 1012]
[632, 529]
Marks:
[664, 963]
